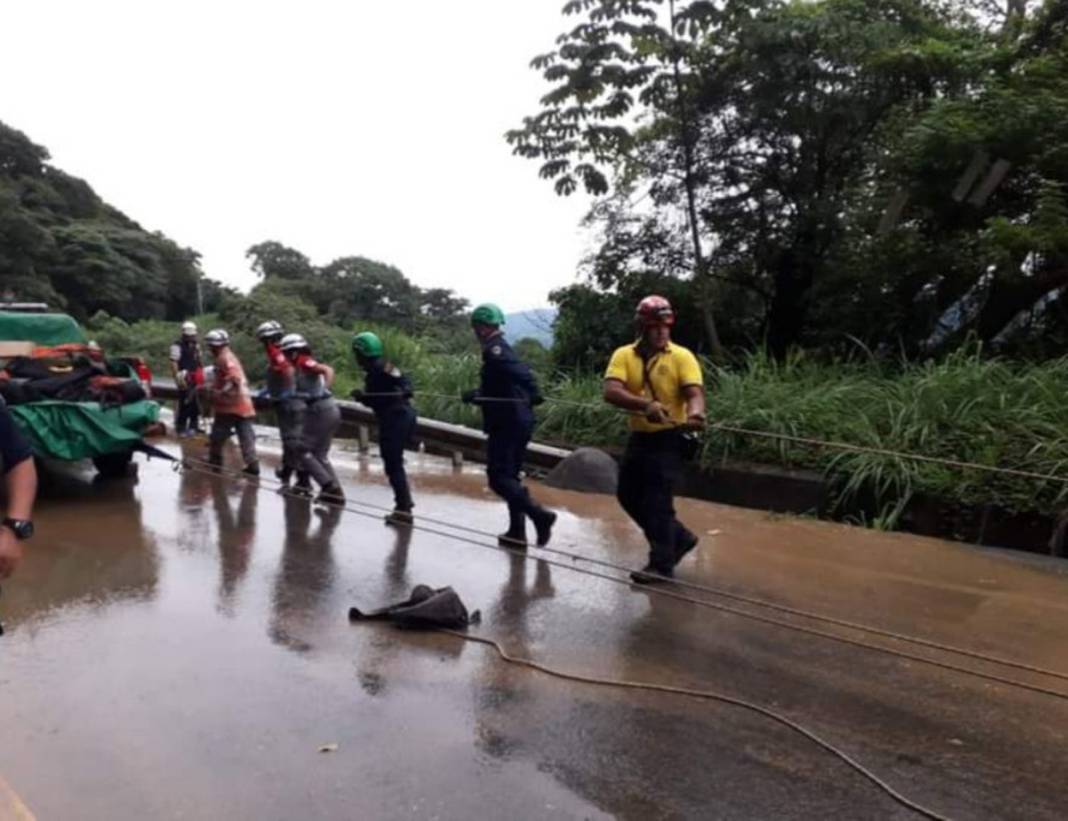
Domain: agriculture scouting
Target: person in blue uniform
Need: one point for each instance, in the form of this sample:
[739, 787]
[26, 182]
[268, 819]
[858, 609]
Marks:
[507, 396]
[388, 392]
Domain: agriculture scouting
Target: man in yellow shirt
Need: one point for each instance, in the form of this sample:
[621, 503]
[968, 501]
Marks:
[660, 384]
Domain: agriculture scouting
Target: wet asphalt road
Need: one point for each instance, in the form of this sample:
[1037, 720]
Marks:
[178, 647]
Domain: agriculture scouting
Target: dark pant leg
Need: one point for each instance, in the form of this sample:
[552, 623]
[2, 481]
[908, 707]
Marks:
[192, 409]
[395, 429]
[650, 471]
[629, 488]
[182, 415]
[504, 460]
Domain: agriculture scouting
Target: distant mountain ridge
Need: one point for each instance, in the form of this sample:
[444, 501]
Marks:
[537, 323]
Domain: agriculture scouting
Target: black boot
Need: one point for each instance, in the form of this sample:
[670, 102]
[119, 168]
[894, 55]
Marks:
[215, 462]
[515, 536]
[400, 518]
[543, 525]
[282, 473]
[651, 574]
[685, 541]
[252, 469]
[303, 485]
[331, 494]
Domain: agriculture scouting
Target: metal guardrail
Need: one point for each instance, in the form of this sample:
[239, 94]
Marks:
[458, 441]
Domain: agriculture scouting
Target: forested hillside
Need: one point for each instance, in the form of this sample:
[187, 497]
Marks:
[61, 244]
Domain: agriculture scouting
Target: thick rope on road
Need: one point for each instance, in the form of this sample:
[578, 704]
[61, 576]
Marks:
[450, 533]
[711, 695]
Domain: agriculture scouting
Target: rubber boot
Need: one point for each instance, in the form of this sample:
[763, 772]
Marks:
[215, 462]
[282, 473]
[252, 469]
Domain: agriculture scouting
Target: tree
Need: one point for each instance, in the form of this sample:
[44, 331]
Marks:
[273, 259]
[742, 128]
[626, 62]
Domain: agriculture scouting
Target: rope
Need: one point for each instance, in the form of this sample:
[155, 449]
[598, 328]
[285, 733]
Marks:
[677, 596]
[711, 695]
[959, 464]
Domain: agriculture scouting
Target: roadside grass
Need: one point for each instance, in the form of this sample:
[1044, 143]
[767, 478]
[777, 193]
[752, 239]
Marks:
[966, 407]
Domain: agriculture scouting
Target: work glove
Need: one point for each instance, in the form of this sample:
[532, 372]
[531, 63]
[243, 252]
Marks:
[357, 395]
[537, 399]
[469, 397]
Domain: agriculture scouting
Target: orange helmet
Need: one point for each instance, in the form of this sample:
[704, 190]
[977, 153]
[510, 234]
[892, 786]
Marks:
[654, 310]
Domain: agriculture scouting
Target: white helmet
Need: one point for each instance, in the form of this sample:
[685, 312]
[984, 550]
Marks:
[189, 329]
[269, 330]
[293, 342]
[217, 338]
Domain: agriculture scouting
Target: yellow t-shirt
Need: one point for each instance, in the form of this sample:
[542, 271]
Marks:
[667, 372]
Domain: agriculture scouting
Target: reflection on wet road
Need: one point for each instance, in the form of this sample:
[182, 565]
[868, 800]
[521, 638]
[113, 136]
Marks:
[178, 647]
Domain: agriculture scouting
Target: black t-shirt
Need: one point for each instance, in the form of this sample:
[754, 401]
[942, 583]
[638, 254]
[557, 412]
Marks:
[13, 445]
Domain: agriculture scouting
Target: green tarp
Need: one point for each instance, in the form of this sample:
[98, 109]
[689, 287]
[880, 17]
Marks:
[82, 430]
[44, 330]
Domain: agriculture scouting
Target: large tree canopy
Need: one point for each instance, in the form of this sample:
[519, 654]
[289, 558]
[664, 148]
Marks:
[891, 171]
[60, 243]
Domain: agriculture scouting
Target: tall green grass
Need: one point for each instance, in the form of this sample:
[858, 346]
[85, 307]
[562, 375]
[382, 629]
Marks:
[967, 407]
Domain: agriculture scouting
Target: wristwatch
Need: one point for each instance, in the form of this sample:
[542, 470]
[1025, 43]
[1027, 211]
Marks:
[22, 528]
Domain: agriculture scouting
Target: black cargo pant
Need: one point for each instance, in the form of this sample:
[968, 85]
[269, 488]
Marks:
[505, 449]
[395, 428]
[651, 468]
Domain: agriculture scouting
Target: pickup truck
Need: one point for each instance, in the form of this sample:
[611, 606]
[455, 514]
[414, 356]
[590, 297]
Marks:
[71, 400]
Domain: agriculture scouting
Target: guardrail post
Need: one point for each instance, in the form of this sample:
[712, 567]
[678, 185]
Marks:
[363, 435]
[457, 459]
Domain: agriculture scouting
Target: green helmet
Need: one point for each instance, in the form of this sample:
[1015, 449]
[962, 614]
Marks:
[367, 344]
[487, 314]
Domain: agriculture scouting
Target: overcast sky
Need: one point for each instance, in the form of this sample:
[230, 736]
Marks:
[371, 128]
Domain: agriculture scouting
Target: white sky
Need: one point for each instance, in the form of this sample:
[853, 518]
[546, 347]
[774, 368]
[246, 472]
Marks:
[370, 128]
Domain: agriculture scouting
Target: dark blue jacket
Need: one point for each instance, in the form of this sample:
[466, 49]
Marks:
[505, 376]
[383, 377]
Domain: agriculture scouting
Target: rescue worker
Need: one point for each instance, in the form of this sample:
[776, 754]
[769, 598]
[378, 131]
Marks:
[507, 396]
[187, 372]
[322, 416]
[388, 392]
[280, 389]
[232, 403]
[20, 480]
[661, 384]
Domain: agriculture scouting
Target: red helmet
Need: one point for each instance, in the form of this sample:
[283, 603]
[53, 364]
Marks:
[654, 310]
